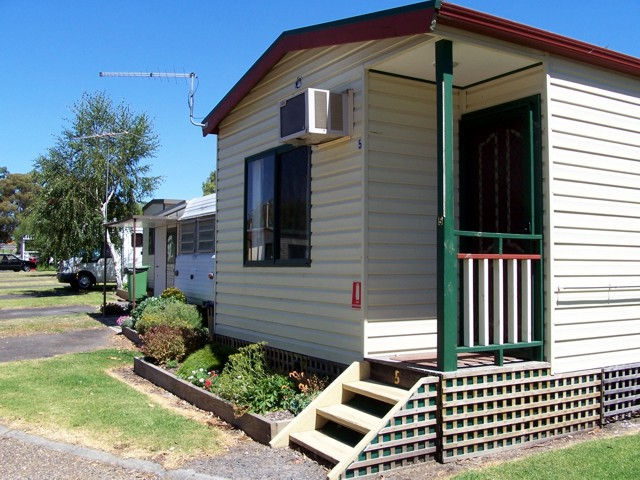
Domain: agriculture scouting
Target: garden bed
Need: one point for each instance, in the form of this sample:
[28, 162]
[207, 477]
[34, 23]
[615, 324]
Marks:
[256, 426]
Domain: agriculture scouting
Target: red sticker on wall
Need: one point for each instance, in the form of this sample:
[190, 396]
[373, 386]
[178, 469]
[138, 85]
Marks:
[356, 295]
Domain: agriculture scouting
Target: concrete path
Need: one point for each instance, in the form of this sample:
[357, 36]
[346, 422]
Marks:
[10, 313]
[48, 345]
[23, 456]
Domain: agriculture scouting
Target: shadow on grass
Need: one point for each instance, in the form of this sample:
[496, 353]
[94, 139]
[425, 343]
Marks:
[61, 292]
[107, 321]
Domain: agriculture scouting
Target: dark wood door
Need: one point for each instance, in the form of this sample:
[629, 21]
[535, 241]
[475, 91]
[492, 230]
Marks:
[497, 175]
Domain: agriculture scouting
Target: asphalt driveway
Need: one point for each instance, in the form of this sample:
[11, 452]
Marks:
[50, 344]
[11, 313]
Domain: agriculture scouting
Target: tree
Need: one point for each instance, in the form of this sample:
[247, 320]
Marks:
[95, 171]
[17, 191]
[209, 185]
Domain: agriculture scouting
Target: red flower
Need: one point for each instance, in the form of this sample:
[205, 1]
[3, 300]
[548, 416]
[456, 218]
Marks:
[207, 383]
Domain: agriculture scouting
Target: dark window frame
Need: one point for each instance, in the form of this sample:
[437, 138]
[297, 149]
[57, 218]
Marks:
[276, 261]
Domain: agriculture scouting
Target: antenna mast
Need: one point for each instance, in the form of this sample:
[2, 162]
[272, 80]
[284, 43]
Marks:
[191, 76]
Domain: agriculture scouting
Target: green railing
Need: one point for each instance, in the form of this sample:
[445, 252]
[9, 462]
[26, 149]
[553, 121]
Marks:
[500, 295]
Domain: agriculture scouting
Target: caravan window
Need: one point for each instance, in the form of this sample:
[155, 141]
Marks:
[206, 234]
[151, 248]
[187, 237]
[137, 238]
[277, 207]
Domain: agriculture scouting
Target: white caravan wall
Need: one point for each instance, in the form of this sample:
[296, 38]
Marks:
[193, 276]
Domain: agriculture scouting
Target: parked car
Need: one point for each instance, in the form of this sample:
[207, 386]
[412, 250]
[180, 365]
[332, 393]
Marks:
[15, 263]
[85, 271]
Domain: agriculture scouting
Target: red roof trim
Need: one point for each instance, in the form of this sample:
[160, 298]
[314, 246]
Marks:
[496, 27]
[398, 23]
[412, 20]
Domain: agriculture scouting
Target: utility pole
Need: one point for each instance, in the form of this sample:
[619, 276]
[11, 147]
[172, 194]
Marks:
[192, 87]
[107, 197]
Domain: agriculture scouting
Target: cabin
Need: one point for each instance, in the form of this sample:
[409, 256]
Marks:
[445, 202]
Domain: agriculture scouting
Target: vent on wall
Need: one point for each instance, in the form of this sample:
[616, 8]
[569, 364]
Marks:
[316, 116]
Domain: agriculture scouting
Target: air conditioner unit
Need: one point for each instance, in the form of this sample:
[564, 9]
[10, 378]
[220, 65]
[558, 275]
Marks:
[316, 116]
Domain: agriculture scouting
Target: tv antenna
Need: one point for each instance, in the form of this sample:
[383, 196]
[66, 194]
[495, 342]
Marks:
[191, 76]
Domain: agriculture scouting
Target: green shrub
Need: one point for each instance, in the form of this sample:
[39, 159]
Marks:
[309, 387]
[247, 382]
[169, 313]
[211, 357]
[136, 313]
[129, 323]
[163, 343]
[175, 293]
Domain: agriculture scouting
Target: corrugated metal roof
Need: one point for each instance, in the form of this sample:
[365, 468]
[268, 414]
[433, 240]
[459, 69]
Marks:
[200, 206]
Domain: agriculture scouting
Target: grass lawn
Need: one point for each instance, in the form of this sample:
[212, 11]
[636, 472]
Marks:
[72, 397]
[50, 324]
[54, 296]
[35, 277]
[611, 458]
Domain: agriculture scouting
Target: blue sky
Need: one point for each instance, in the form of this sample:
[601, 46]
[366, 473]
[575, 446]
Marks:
[51, 52]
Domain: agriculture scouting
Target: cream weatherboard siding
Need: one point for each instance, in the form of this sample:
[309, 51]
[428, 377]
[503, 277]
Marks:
[401, 216]
[304, 309]
[595, 148]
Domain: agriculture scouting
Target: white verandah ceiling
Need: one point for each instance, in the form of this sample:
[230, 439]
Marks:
[472, 63]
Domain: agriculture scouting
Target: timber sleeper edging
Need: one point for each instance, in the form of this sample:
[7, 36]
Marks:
[132, 335]
[255, 426]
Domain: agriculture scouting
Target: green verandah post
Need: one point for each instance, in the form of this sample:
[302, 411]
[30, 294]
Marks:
[447, 242]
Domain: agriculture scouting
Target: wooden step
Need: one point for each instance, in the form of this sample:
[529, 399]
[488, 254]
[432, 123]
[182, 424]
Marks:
[323, 445]
[350, 417]
[379, 391]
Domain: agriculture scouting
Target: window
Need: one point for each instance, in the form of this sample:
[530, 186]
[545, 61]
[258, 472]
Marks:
[277, 207]
[151, 247]
[198, 235]
[137, 238]
[187, 237]
[206, 234]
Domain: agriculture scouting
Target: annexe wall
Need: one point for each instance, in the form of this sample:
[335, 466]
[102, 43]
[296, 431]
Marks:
[595, 150]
